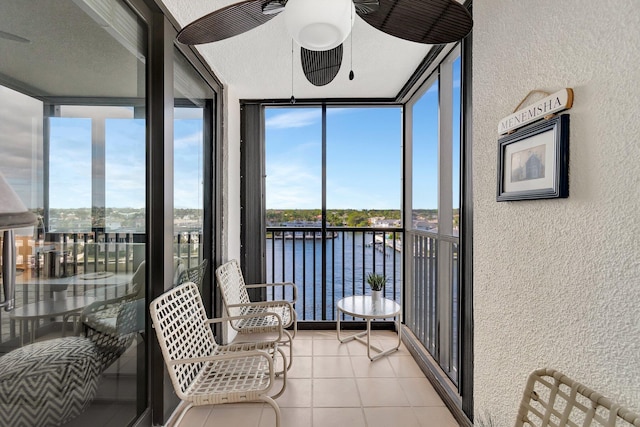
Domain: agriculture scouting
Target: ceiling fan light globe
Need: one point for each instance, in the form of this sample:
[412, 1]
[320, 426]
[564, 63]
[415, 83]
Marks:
[319, 24]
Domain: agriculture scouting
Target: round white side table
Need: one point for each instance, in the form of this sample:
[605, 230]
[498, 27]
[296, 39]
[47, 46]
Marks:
[365, 307]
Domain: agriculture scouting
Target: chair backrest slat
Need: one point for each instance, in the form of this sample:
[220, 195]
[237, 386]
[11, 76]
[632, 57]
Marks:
[232, 286]
[194, 274]
[179, 319]
[551, 398]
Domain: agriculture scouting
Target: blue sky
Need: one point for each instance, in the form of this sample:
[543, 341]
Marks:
[363, 157]
[70, 182]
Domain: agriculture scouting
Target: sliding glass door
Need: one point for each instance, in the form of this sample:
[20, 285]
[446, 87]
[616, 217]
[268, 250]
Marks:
[432, 256]
[73, 133]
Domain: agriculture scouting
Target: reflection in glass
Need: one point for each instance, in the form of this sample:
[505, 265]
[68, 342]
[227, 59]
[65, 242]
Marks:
[125, 157]
[193, 125]
[72, 134]
[69, 174]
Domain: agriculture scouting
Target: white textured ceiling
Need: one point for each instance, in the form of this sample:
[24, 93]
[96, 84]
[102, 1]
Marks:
[257, 64]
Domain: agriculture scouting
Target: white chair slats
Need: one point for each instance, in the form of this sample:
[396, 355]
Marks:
[236, 302]
[203, 372]
[553, 399]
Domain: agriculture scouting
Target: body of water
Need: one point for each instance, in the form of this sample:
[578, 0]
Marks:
[350, 256]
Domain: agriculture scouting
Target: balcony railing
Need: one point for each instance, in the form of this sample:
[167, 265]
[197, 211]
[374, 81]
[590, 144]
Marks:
[328, 267]
[425, 313]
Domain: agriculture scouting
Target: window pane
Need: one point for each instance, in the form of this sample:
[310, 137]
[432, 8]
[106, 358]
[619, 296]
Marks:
[125, 157]
[193, 112]
[293, 164]
[73, 131]
[425, 161]
[70, 174]
[363, 166]
[457, 138]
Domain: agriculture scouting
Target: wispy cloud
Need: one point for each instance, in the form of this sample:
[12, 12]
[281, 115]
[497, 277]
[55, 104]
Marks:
[294, 177]
[193, 140]
[294, 119]
[293, 186]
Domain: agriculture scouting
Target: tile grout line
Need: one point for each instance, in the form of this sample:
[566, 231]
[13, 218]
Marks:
[313, 361]
[364, 416]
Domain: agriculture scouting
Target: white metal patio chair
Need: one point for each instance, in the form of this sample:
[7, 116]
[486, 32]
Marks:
[553, 399]
[236, 302]
[194, 274]
[203, 372]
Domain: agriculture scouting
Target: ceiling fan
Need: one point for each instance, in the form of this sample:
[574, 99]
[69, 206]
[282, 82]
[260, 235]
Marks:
[321, 26]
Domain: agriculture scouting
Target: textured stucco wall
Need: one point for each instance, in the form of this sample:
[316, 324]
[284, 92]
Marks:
[557, 282]
[232, 177]
[231, 185]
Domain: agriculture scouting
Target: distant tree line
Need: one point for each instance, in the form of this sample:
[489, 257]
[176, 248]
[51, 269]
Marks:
[335, 217]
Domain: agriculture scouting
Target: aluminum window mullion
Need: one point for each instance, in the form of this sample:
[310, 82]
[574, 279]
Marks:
[445, 210]
[98, 170]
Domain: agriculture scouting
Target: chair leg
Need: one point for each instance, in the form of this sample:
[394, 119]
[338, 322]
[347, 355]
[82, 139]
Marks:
[289, 341]
[295, 325]
[284, 373]
[182, 414]
[274, 405]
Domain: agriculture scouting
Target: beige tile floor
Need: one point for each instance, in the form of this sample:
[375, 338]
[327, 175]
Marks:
[334, 385]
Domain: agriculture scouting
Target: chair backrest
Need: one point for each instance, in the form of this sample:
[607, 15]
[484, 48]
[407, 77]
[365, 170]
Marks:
[553, 399]
[194, 274]
[111, 325]
[179, 319]
[232, 286]
[138, 280]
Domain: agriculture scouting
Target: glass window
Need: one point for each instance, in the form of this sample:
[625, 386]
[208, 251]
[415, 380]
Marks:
[69, 174]
[433, 262]
[125, 159]
[293, 165]
[362, 186]
[73, 135]
[363, 166]
[192, 127]
[456, 143]
[425, 181]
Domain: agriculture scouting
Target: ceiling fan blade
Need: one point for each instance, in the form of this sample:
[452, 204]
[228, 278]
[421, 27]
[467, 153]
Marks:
[321, 66]
[422, 21]
[226, 22]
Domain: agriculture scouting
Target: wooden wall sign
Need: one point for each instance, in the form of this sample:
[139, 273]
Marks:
[561, 100]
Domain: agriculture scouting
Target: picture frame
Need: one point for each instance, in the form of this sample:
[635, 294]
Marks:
[533, 162]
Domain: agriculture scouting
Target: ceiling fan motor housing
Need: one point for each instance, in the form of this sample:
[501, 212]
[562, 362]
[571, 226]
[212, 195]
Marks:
[319, 24]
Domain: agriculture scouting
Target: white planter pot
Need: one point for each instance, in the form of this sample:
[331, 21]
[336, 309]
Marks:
[376, 295]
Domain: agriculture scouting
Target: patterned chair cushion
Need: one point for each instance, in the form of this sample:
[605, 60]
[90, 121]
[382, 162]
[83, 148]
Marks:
[48, 383]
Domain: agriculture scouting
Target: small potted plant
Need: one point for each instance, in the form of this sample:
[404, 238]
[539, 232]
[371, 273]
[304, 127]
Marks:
[376, 282]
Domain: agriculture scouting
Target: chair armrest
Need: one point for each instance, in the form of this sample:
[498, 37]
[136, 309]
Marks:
[267, 304]
[250, 316]
[281, 284]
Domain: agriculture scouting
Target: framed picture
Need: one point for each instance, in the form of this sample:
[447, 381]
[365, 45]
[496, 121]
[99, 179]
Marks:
[533, 162]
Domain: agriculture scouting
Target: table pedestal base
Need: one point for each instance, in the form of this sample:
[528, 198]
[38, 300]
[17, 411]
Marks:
[359, 337]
